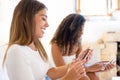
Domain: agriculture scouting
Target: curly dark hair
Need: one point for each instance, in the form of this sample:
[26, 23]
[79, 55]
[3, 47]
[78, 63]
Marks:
[69, 32]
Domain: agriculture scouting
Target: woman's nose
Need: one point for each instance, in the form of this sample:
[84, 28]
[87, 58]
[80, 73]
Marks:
[47, 25]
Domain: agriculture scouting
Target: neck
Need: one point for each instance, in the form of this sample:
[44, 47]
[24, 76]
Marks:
[32, 46]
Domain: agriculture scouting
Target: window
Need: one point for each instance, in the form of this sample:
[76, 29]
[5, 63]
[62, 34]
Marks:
[96, 7]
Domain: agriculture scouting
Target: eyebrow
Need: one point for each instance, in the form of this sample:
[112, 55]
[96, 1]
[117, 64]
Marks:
[44, 15]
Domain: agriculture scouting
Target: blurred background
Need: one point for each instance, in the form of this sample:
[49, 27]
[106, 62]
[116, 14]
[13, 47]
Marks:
[101, 32]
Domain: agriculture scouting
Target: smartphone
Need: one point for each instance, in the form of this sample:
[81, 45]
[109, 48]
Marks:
[112, 61]
[86, 54]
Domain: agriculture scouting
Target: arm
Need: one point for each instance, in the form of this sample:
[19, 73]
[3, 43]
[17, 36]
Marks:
[75, 71]
[94, 68]
[57, 55]
[58, 60]
[58, 72]
[17, 67]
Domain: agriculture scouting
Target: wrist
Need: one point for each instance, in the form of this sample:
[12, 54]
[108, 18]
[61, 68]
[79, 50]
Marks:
[87, 69]
[64, 77]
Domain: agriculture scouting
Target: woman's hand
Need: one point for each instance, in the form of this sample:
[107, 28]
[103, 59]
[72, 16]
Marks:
[75, 71]
[100, 67]
[85, 55]
[108, 66]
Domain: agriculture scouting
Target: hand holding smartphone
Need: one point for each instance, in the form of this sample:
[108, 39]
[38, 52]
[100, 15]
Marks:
[112, 61]
[86, 54]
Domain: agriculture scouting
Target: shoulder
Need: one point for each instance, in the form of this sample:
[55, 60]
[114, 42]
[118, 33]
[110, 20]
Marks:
[55, 48]
[15, 47]
[56, 52]
[54, 45]
[17, 54]
[15, 50]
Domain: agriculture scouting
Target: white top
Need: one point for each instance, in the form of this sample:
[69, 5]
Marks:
[68, 59]
[23, 63]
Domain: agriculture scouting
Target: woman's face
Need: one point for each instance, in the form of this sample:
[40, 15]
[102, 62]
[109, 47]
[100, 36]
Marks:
[40, 23]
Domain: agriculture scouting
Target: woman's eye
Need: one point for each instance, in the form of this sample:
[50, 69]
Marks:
[44, 19]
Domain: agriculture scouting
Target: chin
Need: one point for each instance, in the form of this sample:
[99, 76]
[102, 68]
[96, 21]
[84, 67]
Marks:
[40, 35]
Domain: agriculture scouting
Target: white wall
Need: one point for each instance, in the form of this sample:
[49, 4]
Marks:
[94, 29]
[6, 9]
[57, 10]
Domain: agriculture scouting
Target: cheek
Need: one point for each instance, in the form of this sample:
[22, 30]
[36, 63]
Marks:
[37, 31]
[37, 25]
[38, 28]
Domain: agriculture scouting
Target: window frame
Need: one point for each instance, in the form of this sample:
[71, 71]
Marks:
[109, 8]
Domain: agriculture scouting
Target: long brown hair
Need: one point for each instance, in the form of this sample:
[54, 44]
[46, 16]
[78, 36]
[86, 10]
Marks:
[22, 30]
[68, 33]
